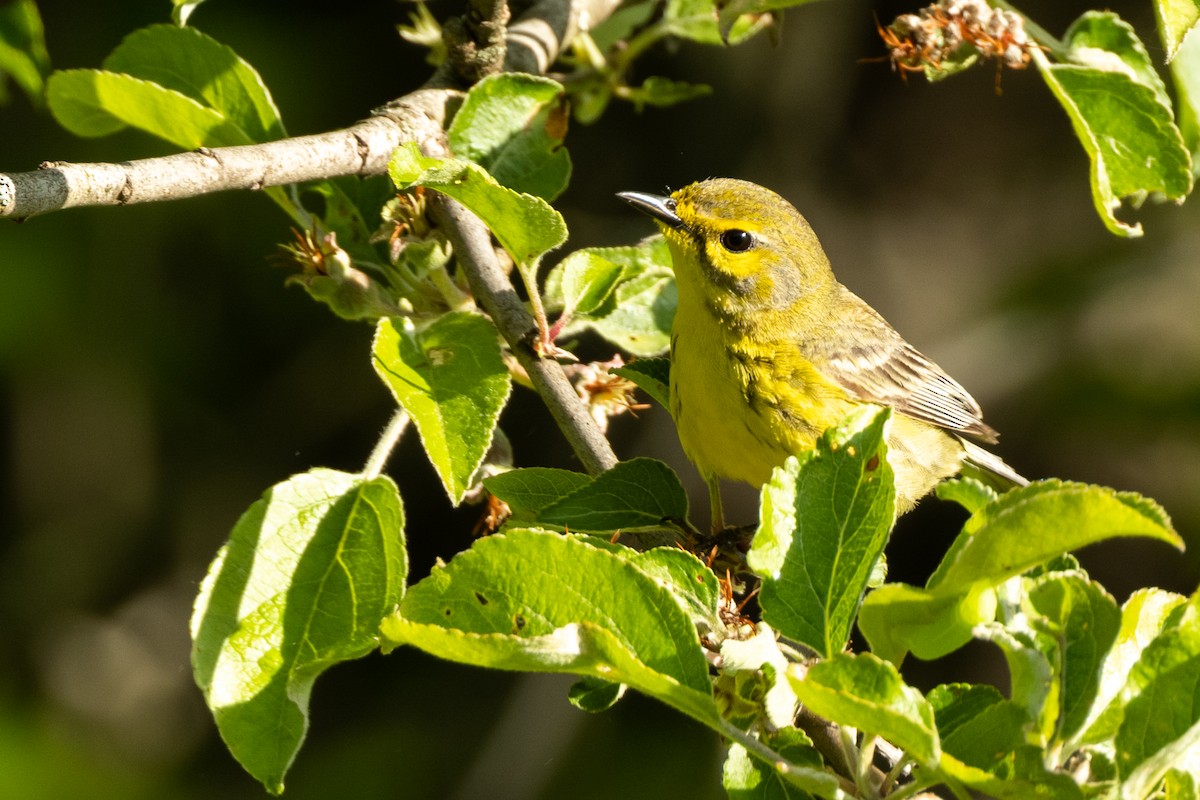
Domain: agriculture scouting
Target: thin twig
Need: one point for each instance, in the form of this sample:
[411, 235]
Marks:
[473, 248]
[386, 444]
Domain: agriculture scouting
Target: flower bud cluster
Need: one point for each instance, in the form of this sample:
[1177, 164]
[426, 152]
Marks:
[936, 33]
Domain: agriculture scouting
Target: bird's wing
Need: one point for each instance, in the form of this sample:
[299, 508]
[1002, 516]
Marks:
[874, 362]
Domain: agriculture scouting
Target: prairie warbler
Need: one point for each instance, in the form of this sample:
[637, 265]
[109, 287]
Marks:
[768, 350]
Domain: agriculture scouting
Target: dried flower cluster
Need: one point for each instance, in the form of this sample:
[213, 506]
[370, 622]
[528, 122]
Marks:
[605, 394]
[936, 33]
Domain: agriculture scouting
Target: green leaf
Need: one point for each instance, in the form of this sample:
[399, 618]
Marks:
[183, 10]
[1129, 135]
[1020, 775]
[1083, 620]
[174, 83]
[662, 92]
[622, 23]
[969, 493]
[824, 523]
[636, 315]
[983, 741]
[1032, 675]
[587, 279]
[1102, 40]
[956, 706]
[23, 55]
[594, 695]
[525, 225]
[1179, 784]
[1185, 71]
[544, 602]
[1150, 773]
[692, 584]
[730, 11]
[996, 543]
[637, 492]
[584, 648]
[897, 619]
[749, 778]
[527, 491]
[644, 310]
[652, 375]
[865, 692]
[1176, 20]
[697, 20]
[1142, 619]
[1161, 700]
[512, 125]
[451, 378]
[308, 573]
[90, 102]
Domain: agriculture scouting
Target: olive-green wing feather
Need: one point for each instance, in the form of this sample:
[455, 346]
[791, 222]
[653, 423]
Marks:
[872, 361]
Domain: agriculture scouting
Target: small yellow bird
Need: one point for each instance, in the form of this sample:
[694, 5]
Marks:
[768, 350]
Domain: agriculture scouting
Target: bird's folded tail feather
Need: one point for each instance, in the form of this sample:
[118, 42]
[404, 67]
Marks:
[990, 468]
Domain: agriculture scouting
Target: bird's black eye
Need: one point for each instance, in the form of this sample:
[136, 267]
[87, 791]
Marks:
[736, 240]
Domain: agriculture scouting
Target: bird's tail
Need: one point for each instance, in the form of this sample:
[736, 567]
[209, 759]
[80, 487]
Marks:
[990, 468]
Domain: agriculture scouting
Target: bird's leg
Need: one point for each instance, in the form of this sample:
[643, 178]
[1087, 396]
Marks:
[714, 503]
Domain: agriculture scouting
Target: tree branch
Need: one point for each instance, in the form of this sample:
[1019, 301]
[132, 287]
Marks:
[472, 244]
[362, 149]
[533, 43]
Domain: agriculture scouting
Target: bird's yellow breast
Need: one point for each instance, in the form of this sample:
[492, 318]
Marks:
[743, 404]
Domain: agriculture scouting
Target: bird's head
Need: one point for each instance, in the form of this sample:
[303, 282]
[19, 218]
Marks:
[745, 248]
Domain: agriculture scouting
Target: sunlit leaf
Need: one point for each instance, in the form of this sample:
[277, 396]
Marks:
[824, 522]
[1176, 20]
[545, 602]
[1185, 71]
[450, 377]
[174, 83]
[969, 493]
[1129, 135]
[748, 778]
[995, 543]
[1160, 702]
[1083, 620]
[897, 619]
[636, 315]
[512, 125]
[525, 225]
[867, 693]
[308, 573]
[1142, 619]
[587, 279]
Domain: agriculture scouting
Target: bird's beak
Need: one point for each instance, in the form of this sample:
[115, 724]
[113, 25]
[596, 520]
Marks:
[657, 206]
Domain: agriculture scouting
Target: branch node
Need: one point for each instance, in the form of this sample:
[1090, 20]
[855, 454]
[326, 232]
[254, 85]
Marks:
[364, 152]
[126, 193]
[475, 42]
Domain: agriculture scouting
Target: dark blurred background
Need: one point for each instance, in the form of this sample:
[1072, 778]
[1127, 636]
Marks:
[156, 377]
